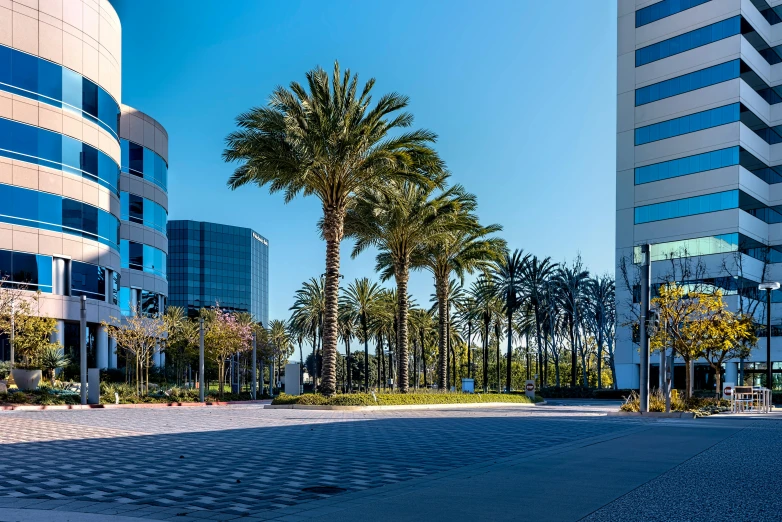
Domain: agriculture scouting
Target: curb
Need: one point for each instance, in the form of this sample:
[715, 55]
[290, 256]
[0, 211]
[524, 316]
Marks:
[653, 414]
[40, 407]
[403, 406]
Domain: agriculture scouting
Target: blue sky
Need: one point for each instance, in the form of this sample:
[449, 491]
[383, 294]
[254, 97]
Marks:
[522, 94]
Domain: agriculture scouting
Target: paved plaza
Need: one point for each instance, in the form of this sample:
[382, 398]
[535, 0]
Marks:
[565, 461]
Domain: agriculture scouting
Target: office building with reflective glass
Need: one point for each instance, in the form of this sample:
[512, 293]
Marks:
[699, 164]
[82, 177]
[210, 264]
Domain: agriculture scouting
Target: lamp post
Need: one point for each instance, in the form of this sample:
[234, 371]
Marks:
[768, 287]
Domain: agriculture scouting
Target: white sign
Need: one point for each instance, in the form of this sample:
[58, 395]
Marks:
[529, 387]
[728, 389]
[259, 238]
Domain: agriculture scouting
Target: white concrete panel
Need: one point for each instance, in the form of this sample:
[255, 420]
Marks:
[686, 21]
[688, 103]
[688, 61]
[707, 182]
[688, 144]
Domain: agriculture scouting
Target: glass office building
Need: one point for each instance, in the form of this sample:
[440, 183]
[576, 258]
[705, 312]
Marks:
[68, 149]
[210, 264]
[699, 148]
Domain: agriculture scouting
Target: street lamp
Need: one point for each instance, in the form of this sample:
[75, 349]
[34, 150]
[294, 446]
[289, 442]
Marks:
[768, 287]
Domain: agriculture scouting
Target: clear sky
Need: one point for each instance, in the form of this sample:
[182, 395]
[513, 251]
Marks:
[522, 94]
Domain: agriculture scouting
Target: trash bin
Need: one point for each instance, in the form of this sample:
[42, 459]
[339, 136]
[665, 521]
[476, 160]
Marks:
[468, 385]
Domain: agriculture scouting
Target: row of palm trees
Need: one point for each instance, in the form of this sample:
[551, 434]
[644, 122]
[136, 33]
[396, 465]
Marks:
[385, 187]
[554, 315]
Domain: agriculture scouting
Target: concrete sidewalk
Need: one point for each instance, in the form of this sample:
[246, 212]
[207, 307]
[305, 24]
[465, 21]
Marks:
[564, 484]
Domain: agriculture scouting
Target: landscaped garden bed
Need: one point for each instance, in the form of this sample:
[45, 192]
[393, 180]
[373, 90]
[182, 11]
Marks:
[400, 399]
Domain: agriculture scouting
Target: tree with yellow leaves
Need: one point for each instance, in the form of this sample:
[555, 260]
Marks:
[730, 336]
[686, 322]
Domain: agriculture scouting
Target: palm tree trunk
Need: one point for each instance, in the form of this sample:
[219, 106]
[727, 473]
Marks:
[510, 338]
[497, 334]
[542, 375]
[402, 350]
[599, 358]
[349, 367]
[469, 350]
[441, 287]
[333, 222]
[366, 353]
[314, 359]
[486, 357]
[573, 360]
[423, 360]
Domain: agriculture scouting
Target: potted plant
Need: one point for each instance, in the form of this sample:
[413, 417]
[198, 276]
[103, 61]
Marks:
[31, 342]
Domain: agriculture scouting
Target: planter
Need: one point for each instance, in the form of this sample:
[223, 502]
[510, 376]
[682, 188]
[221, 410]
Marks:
[26, 380]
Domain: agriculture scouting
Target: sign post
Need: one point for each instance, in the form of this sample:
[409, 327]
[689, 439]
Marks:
[727, 390]
[529, 387]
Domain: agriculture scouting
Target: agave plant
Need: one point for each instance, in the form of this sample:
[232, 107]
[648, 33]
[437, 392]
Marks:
[52, 358]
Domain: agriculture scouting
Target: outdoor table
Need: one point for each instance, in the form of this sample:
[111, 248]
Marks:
[757, 400]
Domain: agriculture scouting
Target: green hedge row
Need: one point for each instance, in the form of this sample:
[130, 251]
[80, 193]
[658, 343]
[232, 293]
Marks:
[399, 399]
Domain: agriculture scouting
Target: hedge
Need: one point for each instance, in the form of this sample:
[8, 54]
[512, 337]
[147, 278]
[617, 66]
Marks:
[397, 399]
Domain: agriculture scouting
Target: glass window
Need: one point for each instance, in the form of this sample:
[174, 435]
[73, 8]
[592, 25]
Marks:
[701, 246]
[89, 280]
[664, 9]
[39, 146]
[115, 278]
[771, 135]
[26, 271]
[149, 303]
[687, 207]
[143, 162]
[687, 124]
[690, 165]
[50, 212]
[687, 41]
[38, 79]
[688, 82]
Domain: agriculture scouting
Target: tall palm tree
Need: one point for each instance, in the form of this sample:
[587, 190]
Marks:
[488, 307]
[309, 306]
[507, 276]
[600, 298]
[571, 284]
[424, 329]
[463, 248]
[280, 342]
[347, 330]
[398, 222]
[325, 140]
[537, 273]
[360, 301]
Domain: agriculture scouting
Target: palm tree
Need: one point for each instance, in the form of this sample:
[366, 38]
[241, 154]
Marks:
[347, 327]
[326, 141]
[571, 284]
[424, 329]
[398, 222]
[280, 342]
[537, 273]
[308, 311]
[507, 276]
[463, 248]
[488, 307]
[600, 298]
[360, 301]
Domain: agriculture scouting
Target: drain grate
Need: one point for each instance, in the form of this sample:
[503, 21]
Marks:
[324, 490]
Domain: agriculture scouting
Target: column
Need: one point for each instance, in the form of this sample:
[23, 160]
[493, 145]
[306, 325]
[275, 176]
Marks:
[102, 348]
[731, 373]
[133, 301]
[60, 276]
[112, 353]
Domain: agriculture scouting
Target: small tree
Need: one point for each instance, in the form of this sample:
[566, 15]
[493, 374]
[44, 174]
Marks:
[139, 335]
[224, 336]
[685, 322]
[731, 336]
[52, 359]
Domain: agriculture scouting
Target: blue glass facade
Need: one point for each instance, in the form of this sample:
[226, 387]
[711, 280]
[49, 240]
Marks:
[47, 82]
[43, 147]
[210, 263]
[687, 41]
[144, 163]
[686, 124]
[664, 9]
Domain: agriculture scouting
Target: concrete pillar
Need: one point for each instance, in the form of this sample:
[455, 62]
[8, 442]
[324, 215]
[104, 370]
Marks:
[731, 373]
[102, 347]
[156, 356]
[112, 353]
[109, 286]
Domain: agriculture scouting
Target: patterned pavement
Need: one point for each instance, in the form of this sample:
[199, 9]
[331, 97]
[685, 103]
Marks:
[246, 462]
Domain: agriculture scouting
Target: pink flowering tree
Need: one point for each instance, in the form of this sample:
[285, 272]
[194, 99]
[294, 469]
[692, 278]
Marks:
[224, 336]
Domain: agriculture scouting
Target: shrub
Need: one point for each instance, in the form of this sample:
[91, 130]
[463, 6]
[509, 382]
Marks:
[395, 399]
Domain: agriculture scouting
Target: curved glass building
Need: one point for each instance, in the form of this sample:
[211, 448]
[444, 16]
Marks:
[83, 200]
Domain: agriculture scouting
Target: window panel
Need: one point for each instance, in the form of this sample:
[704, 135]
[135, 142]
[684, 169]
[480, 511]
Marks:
[687, 124]
[43, 147]
[664, 9]
[688, 41]
[688, 82]
[88, 280]
[143, 162]
[38, 79]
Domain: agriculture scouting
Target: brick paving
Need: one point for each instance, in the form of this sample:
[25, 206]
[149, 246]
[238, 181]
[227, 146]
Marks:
[250, 463]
